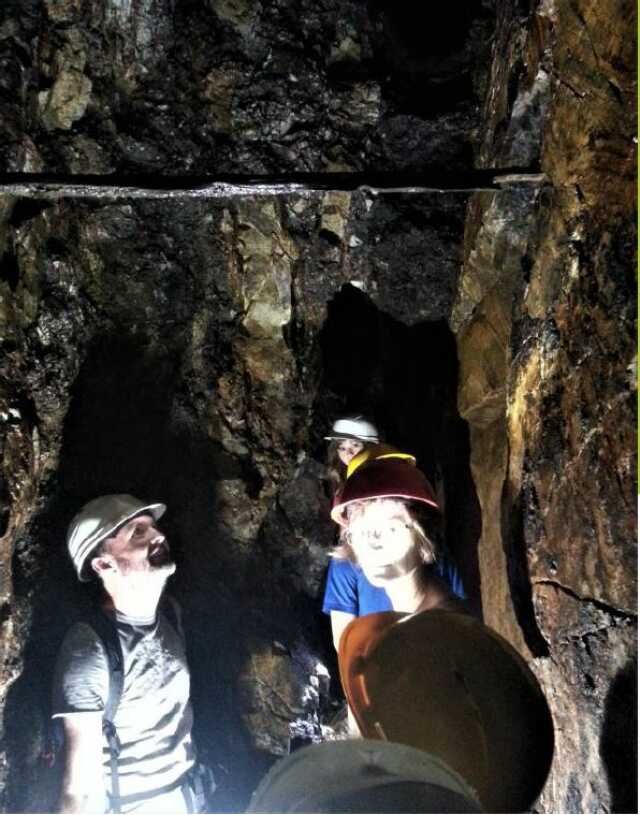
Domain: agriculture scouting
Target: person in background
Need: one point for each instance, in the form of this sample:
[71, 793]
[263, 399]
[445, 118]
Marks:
[349, 436]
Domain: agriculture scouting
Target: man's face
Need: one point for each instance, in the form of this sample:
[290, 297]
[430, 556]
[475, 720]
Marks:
[383, 540]
[139, 548]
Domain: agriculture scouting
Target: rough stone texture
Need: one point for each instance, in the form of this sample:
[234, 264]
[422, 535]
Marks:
[545, 323]
[496, 239]
[196, 351]
[201, 86]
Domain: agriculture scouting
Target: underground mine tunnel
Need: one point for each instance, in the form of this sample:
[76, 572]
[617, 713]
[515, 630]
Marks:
[138, 419]
[224, 224]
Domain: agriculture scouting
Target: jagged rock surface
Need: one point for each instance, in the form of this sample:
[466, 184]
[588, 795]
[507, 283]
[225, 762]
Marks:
[212, 86]
[545, 322]
[195, 350]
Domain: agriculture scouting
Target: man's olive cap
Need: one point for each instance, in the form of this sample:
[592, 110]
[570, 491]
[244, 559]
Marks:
[98, 519]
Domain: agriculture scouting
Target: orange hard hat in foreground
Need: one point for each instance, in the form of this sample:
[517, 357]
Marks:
[446, 684]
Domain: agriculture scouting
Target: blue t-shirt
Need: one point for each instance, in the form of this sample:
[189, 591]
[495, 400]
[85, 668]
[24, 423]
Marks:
[349, 590]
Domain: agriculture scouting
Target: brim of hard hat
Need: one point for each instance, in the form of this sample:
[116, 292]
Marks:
[445, 683]
[362, 776]
[352, 437]
[384, 478]
[155, 510]
[380, 451]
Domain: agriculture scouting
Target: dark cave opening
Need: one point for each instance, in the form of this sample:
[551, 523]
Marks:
[618, 739]
[427, 59]
[405, 378]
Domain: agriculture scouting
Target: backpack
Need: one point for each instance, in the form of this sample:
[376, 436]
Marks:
[107, 632]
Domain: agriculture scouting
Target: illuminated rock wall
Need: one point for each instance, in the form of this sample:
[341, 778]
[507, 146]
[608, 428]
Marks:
[545, 324]
[195, 349]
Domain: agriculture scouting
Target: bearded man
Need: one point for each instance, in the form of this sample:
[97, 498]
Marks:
[138, 757]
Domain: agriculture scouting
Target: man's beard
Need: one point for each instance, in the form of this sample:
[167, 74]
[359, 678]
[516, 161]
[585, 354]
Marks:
[159, 563]
[160, 559]
[167, 568]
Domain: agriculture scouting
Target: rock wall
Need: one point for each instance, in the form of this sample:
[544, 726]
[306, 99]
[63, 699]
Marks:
[214, 86]
[545, 325]
[195, 349]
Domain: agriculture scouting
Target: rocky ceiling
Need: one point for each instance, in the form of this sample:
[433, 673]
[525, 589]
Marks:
[223, 222]
[240, 86]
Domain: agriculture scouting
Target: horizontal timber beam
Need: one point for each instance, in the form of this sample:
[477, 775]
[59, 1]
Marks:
[235, 186]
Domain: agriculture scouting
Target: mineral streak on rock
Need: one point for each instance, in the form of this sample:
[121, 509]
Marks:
[66, 101]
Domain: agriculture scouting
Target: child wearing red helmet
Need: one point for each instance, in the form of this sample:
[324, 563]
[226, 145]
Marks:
[386, 560]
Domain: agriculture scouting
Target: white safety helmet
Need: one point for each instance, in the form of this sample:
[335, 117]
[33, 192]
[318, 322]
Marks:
[362, 775]
[98, 519]
[354, 427]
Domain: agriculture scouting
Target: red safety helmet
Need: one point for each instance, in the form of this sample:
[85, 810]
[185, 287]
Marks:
[383, 478]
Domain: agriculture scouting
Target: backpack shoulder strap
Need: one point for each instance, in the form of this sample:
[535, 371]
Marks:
[106, 629]
[171, 610]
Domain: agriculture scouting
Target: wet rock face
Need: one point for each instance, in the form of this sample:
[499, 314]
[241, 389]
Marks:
[209, 86]
[545, 321]
[195, 352]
